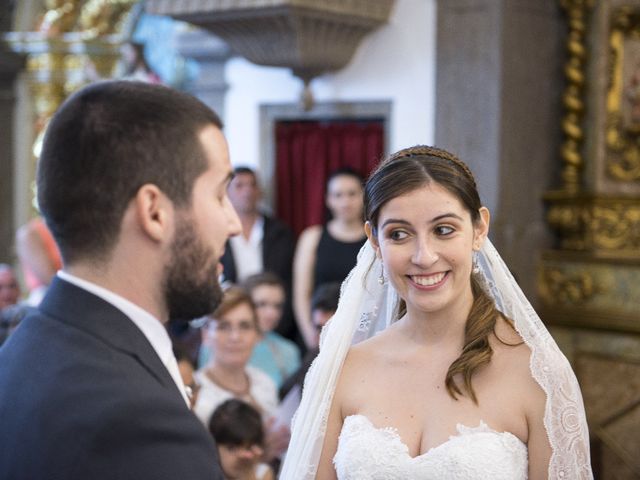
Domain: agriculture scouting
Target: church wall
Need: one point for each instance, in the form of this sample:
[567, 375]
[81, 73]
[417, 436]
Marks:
[394, 63]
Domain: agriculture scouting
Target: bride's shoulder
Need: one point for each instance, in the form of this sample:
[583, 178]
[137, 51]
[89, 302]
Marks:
[511, 360]
[370, 351]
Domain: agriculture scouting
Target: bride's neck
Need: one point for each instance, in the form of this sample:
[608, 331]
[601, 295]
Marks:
[442, 327]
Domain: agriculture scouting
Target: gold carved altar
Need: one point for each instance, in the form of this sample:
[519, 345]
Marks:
[589, 285]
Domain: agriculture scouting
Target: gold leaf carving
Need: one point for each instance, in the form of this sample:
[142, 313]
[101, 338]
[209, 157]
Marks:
[598, 224]
[572, 98]
[568, 288]
[623, 96]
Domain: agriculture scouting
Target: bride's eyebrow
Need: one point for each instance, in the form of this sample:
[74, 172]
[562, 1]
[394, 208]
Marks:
[433, 220]
[446, 215]
[394, 220]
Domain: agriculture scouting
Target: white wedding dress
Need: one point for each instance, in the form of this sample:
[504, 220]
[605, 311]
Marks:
[475, 453]
[366, 452]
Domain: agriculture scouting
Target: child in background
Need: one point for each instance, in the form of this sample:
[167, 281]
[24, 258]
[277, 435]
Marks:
[237, 429]
[275, 355]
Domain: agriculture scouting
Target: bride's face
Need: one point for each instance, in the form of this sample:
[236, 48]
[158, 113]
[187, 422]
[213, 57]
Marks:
[426, 240]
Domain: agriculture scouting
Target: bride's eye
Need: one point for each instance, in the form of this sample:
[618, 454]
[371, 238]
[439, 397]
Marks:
[397, 235]
[444, 230]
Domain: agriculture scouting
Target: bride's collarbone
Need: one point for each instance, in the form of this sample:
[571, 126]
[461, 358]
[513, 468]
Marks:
[422, 410]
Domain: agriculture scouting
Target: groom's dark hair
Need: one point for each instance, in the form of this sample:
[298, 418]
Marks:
[104, 143]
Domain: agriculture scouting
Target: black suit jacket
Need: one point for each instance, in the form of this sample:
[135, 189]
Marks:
[83, 395]
[277, 252]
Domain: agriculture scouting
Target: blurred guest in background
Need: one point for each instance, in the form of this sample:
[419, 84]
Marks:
[9, 287]
[237, 429]
[231, 335]
[273, 354]
[323, 305]
[39, 257]
[327, 253]
[266, 244]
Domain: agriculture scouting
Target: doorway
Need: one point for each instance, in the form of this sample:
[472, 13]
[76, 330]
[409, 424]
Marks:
[300, 149]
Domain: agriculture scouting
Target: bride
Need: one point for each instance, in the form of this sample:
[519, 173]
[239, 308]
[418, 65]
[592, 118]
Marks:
[435, 365]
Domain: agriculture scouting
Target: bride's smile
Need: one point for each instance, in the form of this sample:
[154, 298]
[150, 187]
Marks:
[426, 240]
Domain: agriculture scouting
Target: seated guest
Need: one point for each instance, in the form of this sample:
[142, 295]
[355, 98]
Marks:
[237, 429]
[273, 354]
[324, 304]
[9, 288]
[231, 334]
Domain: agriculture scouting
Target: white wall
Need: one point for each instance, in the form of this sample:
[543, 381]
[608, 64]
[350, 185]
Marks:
[395, 62]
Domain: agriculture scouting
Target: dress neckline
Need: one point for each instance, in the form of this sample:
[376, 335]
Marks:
[463, 430]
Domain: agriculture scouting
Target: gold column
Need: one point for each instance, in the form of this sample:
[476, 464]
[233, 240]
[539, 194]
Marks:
[589, 286]
[74, 42]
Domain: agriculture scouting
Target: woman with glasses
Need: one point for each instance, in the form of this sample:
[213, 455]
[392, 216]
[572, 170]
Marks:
[231, 334]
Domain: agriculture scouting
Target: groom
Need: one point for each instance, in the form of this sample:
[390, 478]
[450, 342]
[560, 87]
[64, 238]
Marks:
[132, 182]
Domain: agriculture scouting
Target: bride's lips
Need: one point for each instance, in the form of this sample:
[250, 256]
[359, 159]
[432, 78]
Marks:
[428, 282]
[219, 268]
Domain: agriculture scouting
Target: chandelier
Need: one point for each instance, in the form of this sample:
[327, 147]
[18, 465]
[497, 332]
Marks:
[311, 37]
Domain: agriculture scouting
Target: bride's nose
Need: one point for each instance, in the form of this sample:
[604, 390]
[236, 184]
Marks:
[424, 254]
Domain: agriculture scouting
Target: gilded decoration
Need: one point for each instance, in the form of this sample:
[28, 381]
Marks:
[572, 98]
[73, 42]
[586, 293]
[623, 96]
[605, 226]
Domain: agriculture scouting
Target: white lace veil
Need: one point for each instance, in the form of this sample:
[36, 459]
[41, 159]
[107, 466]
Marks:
[366, 307]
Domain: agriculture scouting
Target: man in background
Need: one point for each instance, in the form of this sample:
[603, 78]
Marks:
[265, 245]
[132, 182]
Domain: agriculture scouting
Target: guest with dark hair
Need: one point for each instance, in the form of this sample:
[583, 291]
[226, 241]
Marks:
[326, 253]
[265, 245]
[135, 63]
[237, 429]
[132, 182]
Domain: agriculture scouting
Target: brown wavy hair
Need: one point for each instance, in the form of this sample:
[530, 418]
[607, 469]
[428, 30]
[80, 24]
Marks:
[404, 172]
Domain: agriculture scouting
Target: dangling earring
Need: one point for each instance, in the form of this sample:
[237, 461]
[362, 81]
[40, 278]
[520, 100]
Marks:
[381, 278]
[476, 263]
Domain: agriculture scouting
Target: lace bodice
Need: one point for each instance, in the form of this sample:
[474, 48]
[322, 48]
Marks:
[367, 453]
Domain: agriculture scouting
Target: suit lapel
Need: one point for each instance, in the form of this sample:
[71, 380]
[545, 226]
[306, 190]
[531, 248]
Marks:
[81, 309]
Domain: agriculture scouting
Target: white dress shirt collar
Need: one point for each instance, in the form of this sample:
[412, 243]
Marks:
[150, 326]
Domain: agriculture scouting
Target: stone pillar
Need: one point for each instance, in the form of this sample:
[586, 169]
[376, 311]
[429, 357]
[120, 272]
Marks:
[498, 83]
[211, 53]
[10, 65]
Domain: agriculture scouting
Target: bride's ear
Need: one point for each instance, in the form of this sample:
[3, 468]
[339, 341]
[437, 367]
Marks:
[373, 239]
[481, 228]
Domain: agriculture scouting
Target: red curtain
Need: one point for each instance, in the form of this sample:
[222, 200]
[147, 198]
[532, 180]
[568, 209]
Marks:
[308, 151]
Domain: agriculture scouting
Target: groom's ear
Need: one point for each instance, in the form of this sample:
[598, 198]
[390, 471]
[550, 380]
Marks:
[373, 238]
